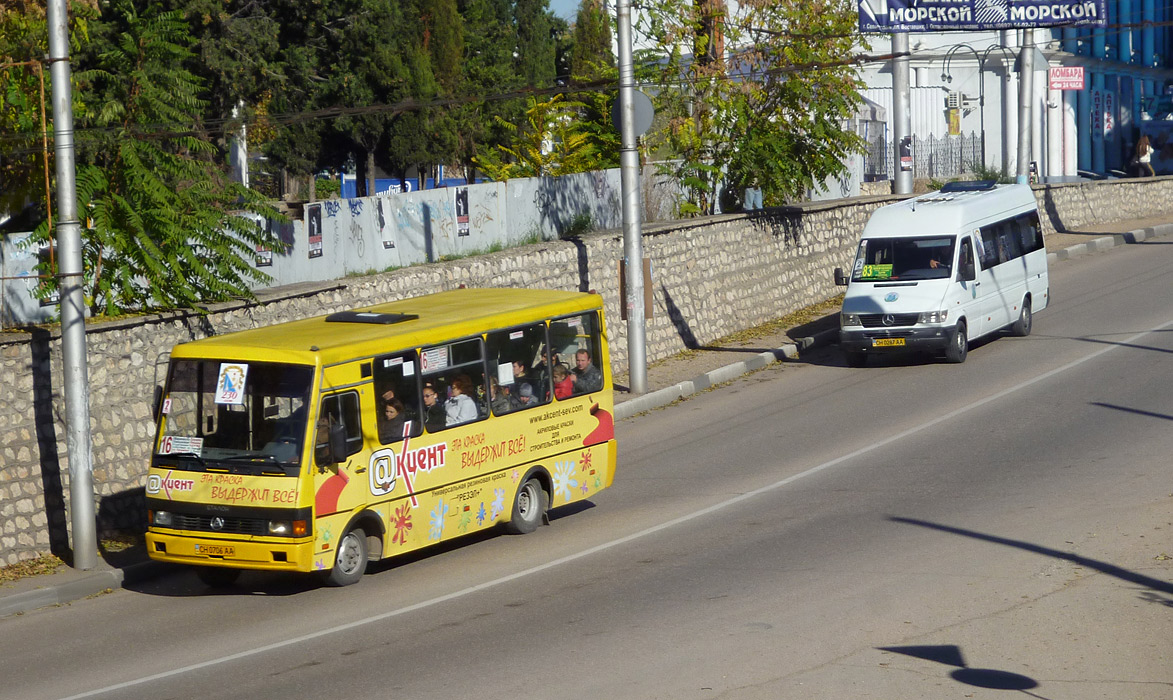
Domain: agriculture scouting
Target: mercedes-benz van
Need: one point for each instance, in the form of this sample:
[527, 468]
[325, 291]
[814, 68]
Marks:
[935, 272]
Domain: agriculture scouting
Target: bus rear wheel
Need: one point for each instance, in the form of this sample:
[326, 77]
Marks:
[529, 506]
[350, 562]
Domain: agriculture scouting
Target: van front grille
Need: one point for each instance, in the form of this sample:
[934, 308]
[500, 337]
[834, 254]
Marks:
[877, 320]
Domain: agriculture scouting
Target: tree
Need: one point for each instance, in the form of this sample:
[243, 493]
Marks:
[770, 110]
[165, 226]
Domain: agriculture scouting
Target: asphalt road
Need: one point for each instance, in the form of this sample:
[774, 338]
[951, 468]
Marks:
[906, 530]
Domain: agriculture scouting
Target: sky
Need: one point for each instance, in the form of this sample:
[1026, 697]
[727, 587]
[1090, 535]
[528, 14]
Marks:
[566, 9]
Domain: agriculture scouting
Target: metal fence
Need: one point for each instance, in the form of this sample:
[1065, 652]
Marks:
[948, 156]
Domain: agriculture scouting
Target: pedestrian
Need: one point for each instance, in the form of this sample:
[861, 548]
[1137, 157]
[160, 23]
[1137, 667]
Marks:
[1144, 156]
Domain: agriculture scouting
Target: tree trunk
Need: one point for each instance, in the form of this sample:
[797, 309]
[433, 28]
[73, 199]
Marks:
[312, 192]
[371, 173]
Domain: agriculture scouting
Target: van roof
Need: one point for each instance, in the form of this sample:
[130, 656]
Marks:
[952, 212]
[391, 326]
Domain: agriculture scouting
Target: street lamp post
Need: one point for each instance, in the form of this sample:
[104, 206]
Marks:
[948, 77]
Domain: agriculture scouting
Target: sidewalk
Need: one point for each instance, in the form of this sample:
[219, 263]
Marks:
[667, 381]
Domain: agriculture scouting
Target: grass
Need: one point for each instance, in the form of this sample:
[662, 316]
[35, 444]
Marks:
[785, 323]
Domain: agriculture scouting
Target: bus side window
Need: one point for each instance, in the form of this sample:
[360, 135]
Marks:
[397, 385]
[339, 409]
[459, 364]
[576, 339]
[519, 376]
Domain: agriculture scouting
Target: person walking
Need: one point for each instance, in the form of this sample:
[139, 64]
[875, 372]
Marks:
[1144, 156]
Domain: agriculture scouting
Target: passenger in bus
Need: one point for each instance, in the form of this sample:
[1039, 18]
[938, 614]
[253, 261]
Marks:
[522, 374]
[587, 378]
[391, 421]
[434, 416]
[525, 396]
[460, 407]
[563, 382]
[501, 399]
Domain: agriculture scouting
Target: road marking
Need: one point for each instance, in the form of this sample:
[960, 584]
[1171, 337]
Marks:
[622, 540]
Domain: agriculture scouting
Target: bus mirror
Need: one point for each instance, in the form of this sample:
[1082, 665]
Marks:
[840, 278]
[967, 271]
[158, 400]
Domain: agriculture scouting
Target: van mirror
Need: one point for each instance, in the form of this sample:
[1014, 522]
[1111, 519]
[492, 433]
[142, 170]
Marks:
[840, 278]
[968, 273]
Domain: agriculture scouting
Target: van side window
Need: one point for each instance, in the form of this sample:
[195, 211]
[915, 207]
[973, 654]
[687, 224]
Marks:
[1028, 228]
[989, 246]
[340, 409]
[519, 376]
[397, 386]
[965, 257]
[456, 372]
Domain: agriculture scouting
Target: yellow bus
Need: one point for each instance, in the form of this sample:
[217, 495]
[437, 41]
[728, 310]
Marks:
[322, 444]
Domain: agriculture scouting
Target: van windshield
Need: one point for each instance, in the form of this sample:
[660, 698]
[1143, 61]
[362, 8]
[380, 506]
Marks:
[906, 259]
[243, 417]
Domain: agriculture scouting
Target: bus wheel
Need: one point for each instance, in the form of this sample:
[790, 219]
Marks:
[351, 561]
[958, 345]
[531, 503]
[217, 576]
[1021, 327]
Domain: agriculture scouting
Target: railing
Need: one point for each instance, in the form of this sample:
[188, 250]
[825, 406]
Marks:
[947, 156]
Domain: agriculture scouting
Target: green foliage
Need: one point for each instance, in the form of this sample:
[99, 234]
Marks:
[553, 141]
[987, 172]
[165, 226]
[770, 113]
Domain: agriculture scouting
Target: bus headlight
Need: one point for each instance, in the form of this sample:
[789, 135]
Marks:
[161, 518]
[288, 528]
[932, 316]
[846, 319]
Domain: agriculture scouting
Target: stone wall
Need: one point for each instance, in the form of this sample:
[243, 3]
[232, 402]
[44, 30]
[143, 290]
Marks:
[710, 277]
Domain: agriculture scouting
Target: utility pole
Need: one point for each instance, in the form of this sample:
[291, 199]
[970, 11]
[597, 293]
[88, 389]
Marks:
[637, 364]
[1026, 73]
[901, 114]
[73, 330]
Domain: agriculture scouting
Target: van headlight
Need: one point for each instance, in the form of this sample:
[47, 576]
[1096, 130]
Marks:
[932, 316]
[846, 319]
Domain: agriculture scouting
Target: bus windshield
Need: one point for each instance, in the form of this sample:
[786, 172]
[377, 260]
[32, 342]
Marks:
[904, 259]
[243, 417]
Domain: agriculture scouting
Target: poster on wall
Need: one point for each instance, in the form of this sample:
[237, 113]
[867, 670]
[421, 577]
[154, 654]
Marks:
[313, 226]
[1109, 114]
[1097, 115]
[462, 211]
[264, 257]
[381, 222]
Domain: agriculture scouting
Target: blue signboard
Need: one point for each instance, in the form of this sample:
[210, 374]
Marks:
[977, 15]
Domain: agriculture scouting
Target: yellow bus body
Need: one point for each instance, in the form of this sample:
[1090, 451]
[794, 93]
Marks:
[243, 513]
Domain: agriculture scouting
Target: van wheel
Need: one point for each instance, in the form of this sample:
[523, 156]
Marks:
[217, 576]
[528, 508]
[1021, 327]
[856, 359]
[350, 561]
[958, 345]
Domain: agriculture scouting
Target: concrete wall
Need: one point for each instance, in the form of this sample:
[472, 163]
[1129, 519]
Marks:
[711, 277]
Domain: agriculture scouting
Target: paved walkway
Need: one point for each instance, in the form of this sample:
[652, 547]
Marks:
[668, 381]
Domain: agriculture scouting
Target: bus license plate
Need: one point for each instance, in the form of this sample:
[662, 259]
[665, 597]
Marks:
[887, 342]
[215, 550]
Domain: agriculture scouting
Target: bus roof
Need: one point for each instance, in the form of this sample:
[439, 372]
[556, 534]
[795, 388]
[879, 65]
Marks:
[949, 212]
[396, 325]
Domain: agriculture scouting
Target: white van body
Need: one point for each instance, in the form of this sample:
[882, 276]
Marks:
[937, 271]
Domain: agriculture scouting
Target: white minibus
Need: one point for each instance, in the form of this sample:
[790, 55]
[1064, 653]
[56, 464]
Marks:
[935, 272]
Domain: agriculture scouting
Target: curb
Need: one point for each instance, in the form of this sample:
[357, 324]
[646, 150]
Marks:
[91, 583]
[1096, 245]
[667, 395]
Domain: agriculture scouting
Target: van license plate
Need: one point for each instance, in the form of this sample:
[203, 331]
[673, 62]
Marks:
[215, 550]
[887, 342]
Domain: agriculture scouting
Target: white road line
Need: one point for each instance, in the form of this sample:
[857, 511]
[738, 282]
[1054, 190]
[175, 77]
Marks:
[622, 540]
